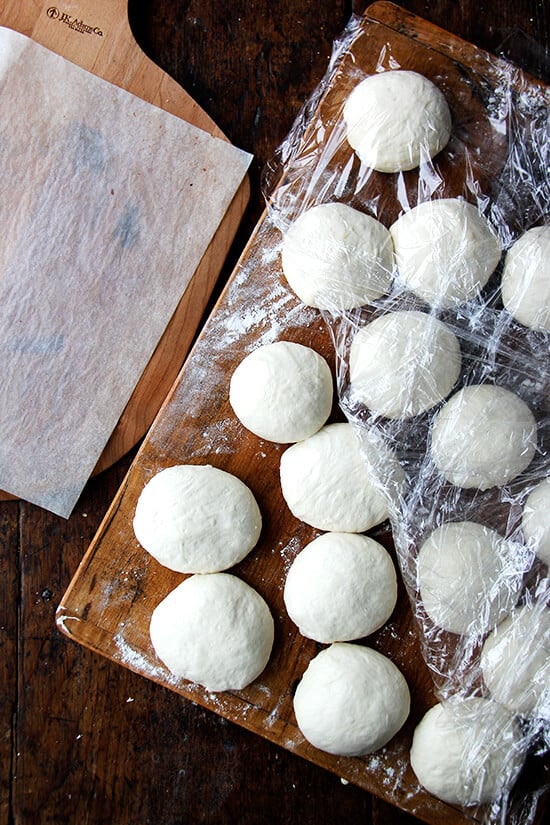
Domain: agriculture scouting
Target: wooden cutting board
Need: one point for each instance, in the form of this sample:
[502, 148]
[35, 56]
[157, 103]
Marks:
[96, 35]
[110, 600]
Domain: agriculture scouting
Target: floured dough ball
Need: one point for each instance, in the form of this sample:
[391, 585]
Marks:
[397, 120]
[467, 751]
[469, 577]
[351, 700]
[214, 630]
[483, 437]
[335, 257]
[536, 520]
[403, 363]
[515, 661]
[526, 279]
[197, 519]
[327, 483]
[282, 392]
[342, 586]
[445, 251]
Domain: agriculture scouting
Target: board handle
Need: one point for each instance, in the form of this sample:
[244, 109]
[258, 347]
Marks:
[96, 35]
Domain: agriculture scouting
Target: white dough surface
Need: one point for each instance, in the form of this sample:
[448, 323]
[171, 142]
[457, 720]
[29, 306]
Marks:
[535, 520]
[196, 518]
[335, 257]
[467, 751]
[468, 576]
[282, 391]
[526, 279]
[214, 630]
[403, 363]
[341, 586]
[351, 700]
[515, 661]
[483, 436]
[445, 251]
[397, 120]
[327, 483]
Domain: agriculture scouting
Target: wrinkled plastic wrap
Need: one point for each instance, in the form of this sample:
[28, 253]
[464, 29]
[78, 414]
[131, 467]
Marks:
[494, 574]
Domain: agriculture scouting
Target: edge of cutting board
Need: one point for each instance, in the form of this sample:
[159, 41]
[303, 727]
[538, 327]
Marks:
[110, 51]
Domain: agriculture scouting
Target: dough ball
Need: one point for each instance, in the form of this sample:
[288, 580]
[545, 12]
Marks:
[342, 586]
[515, 661]
[282, 392]
[214, 630]
[483, 437]
[536, 520]
[335, 257]
[403, 363]
[197, 519]
[327, 483]
[445, 251]
[351, 700]
[466, 751]
[526, 279]
[468, 577]
[397, 120]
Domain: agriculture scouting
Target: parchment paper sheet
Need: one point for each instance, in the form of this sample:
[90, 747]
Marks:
[107, 205]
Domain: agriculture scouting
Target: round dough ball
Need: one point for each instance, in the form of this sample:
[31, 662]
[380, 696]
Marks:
[515, 662]
[467, 751]
[282, 392]
[445, 251]
[351, 700]
[536, 520]
[526, 279]
[197, 519]
[403, 363]
[396, 120]
[214, 630]
[467, 577]
[342, 586]
[483, 437]
[336, 258]
[327, 483]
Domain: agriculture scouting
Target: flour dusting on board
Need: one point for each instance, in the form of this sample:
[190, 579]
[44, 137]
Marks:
[270, 306]
[258, 309]
[139, 661]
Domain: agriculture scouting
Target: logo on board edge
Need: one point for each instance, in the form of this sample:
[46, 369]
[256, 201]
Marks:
[72, 22]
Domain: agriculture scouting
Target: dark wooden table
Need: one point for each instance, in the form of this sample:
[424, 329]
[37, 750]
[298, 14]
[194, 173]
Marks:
[81, 739]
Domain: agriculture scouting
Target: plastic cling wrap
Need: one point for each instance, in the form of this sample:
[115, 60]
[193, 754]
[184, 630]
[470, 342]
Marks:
[421, 233]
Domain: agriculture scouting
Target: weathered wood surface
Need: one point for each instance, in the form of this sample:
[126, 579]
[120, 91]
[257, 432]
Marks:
[83, 740]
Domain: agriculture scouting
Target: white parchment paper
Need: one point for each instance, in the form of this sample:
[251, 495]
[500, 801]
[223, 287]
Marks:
[107, 205]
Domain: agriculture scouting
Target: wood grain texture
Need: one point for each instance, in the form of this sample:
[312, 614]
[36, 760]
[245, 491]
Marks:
[98, 743]
[111, 52]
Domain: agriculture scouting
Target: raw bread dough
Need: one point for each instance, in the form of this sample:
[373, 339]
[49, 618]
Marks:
[483, 436]
[403, 363]
[327, 483]
[214, 630]
[335, 257]
[282, 392]
[468, 576]
[197, 519]
[342, 586]
[467, 751]
[351, 700]
[515, 661]
[396, 120]
[526, 279]
[445, 251]
[536, 520]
